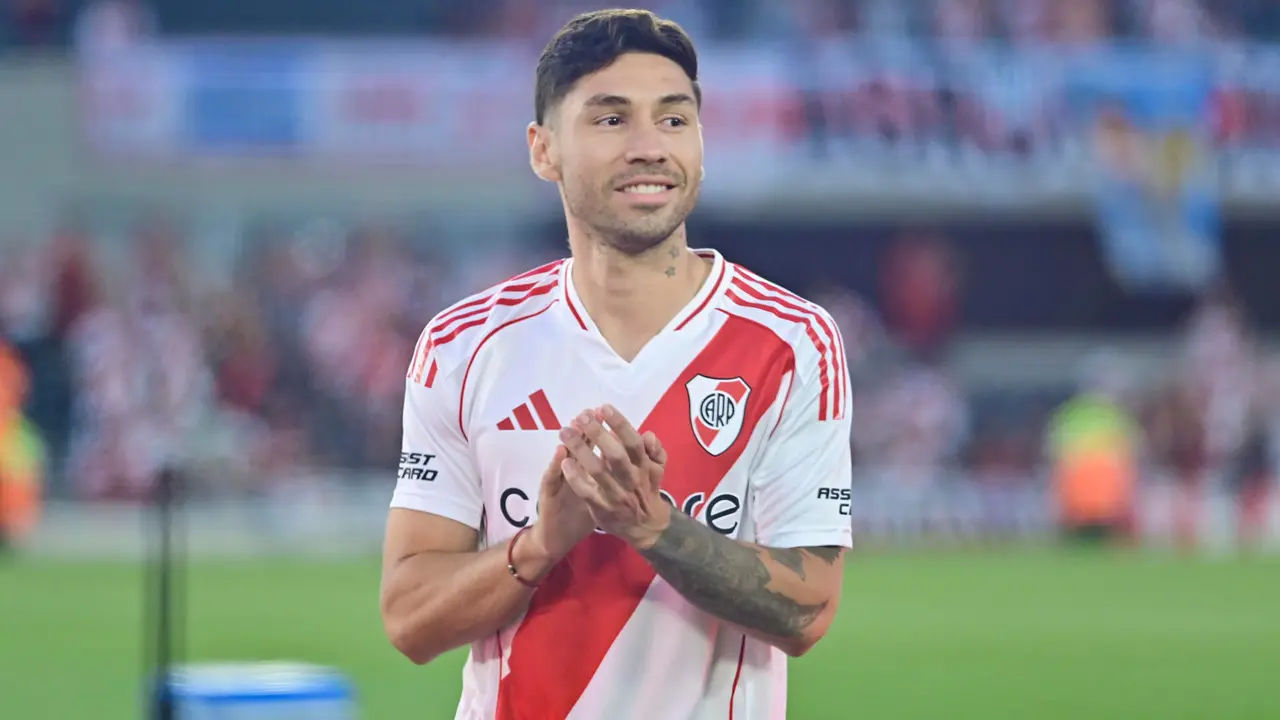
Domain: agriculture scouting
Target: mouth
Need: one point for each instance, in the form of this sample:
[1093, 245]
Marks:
[648, 190]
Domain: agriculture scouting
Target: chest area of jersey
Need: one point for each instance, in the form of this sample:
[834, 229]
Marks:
[711, 408]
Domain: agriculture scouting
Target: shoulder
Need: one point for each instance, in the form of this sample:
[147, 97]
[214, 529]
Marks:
[454, 334]
[807, 327]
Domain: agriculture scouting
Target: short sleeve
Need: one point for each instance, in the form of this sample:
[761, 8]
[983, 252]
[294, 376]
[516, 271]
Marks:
[436, 473]
[803, 484]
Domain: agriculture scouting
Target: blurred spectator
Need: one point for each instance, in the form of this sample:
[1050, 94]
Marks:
[21, 453]
[911, 429]
[920, 283]
[105, 27]
[1081, 24]
[961, 24]
[1094, 445]
[36, 23]
[1175, 22]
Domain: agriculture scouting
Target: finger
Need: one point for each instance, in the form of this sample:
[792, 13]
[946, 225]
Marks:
[658, 457]
[580, 449]
[653, 448]
[612, 453]
[625, 432]
[554, 474]
[581, 483]
[553, 469]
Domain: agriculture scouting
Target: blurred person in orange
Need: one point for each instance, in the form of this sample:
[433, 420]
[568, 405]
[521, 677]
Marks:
[21, 453]
[1094, 442]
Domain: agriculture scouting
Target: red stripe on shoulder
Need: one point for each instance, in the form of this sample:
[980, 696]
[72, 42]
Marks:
[738, 293]
[833, 353]
[540, 270]
[448, 329]
[448, 325]
[420, 352]
[518, 284]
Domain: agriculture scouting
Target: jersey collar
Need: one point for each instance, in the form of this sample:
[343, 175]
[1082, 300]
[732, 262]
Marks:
[690, 315]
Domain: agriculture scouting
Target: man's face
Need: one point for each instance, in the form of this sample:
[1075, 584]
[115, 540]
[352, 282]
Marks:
[627, 149]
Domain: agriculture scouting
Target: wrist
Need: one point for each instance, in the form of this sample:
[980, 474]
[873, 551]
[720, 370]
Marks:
[648, 534]
[530, 557]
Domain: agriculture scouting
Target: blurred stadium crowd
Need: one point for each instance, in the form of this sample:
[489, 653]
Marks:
[951, 22]
[132, 352]
[137, 360]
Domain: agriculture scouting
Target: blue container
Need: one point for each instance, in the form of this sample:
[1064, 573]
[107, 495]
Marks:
[260, 691]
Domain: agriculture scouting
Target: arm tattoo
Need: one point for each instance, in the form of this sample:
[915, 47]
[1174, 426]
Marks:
[827, 553]
[729, 579]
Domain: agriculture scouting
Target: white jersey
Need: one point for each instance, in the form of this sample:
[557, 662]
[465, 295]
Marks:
[747, 390]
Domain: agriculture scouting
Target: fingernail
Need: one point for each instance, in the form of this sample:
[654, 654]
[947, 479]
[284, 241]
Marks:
[566, 434]
[584, 418]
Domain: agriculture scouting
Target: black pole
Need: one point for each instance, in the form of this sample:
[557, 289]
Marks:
[164, 618]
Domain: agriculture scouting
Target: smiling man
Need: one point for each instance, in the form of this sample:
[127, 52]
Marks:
[625, 476]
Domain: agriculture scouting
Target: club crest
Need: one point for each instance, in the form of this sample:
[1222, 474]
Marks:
[716, 409]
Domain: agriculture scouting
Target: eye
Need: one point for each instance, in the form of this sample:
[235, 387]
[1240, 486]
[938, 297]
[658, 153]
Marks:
[610, 121]
[675, 121]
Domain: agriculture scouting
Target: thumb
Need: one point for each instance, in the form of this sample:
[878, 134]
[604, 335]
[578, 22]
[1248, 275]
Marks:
[553, 473]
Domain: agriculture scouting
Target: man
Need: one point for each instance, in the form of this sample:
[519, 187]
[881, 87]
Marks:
[688, 421]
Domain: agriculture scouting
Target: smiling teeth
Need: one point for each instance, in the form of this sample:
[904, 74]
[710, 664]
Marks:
[646, 189]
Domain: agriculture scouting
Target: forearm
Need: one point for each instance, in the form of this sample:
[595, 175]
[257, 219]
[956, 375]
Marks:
[767, 592]
[438, 601]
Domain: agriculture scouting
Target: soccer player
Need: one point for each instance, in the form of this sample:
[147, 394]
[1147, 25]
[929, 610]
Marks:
[625, 476]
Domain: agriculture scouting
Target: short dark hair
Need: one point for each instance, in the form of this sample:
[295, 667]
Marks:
[594, 40]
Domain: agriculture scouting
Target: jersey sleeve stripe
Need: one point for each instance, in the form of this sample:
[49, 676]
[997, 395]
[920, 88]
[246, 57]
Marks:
[522, 282]
[823, 399]
[480, 317]
[431, 374]
[828, 369]
[554, 265]
[486, 302]
[794, 302]
[420, 352]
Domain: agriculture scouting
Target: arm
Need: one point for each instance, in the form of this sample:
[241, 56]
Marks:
[438, 590]
[785, 589]
[784, 596]
[439, 593]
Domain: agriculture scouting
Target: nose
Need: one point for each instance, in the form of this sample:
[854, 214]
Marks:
[646, 145]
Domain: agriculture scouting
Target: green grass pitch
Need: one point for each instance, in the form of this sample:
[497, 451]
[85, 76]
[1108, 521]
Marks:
[924, 635]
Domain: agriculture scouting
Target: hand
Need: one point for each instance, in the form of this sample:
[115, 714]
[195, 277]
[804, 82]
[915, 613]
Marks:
[563, 519]
[621, 486]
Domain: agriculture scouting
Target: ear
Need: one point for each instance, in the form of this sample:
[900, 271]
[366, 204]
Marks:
[542, 155]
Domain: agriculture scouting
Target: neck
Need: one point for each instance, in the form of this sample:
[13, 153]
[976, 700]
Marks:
[632, 297]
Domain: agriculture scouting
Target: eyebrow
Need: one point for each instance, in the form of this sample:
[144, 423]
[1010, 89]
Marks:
[606, 100]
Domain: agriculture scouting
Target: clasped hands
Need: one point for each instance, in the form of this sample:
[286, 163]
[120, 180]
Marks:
[604, 474]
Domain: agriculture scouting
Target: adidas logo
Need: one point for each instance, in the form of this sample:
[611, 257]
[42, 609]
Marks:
[536, 414]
